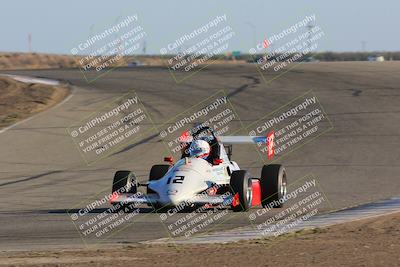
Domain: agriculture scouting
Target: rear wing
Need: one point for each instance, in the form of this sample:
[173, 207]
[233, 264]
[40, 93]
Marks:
[232, 140]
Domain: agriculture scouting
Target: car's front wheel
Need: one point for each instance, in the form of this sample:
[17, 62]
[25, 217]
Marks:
[241, 189]
[123, 182]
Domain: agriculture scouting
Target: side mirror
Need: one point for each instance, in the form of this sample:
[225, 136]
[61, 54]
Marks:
[169, 159]
[217, 161]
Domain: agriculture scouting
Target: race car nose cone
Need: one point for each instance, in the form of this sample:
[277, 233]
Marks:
[182, 183]
[174, 200]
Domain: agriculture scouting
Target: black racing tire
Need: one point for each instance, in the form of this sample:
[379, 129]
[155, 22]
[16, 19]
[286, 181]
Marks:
[125, 179]
[158, 171]
[273, 184]
[241, 184]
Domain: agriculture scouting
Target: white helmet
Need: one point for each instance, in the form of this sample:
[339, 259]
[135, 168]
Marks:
[199, 149]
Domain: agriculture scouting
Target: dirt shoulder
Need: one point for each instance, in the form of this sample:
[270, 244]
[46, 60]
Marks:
[370, 242]
[21, 100]
[36, 61]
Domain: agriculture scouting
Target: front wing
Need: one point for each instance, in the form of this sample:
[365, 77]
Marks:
[153, 199]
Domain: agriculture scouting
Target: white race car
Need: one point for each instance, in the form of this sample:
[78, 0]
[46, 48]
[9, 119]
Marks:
[209, 179]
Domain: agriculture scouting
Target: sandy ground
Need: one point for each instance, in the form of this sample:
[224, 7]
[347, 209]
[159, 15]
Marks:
[20, 100]
[370, 242]
[14, 61]
[36, 61]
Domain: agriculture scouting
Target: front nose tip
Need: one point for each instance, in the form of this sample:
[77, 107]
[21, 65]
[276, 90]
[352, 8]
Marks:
[173, 200]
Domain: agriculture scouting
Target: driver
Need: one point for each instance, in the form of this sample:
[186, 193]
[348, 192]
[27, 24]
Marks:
[199, 149]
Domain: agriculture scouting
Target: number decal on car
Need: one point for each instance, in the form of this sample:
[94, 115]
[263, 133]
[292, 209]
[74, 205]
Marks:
[177, 180]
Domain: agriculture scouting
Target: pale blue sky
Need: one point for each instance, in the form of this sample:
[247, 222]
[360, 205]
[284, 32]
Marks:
[57, 25]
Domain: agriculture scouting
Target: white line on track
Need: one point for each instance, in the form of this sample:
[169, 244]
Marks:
[28, 79]
[361, 212]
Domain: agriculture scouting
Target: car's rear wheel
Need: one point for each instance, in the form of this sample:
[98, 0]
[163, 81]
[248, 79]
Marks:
[156, 173]
[273, 185]
[241, 187]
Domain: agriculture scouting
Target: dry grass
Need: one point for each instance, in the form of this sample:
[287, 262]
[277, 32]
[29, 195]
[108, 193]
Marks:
[20, 100]
[10, 61]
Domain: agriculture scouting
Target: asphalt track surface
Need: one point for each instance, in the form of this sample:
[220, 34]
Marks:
[42, 173]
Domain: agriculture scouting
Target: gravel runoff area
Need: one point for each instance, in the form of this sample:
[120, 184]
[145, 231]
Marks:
[369, 242]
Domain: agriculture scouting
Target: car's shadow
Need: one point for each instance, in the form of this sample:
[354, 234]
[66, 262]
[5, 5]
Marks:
[109, 210]
[94, 211]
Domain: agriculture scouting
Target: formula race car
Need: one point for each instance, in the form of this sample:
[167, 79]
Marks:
[205, 175]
